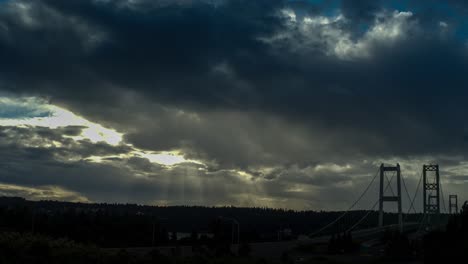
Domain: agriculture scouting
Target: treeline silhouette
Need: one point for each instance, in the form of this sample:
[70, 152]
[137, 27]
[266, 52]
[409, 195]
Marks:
[449, 244]
[131, 225]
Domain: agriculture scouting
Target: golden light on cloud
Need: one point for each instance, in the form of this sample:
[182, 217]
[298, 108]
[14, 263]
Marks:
[60, 117]
[42, 193]
[164, 158]
[331, 167]
[92, 131]
[36, 112]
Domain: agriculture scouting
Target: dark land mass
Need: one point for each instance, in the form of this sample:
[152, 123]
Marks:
[63, 232]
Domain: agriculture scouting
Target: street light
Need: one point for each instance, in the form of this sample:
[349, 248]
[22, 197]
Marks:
[234, 221]
[159, 220]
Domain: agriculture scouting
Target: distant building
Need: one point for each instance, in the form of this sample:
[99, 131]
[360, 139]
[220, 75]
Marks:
[184, 235]
[285, 234]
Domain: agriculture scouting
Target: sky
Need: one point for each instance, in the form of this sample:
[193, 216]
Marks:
[266, 103]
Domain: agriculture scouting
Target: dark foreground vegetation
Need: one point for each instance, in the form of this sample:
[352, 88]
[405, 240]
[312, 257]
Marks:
[57, 232]
[450, 244]
[18, 248]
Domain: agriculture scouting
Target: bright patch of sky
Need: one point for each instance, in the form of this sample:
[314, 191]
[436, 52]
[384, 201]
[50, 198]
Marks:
[165, 158]
[24, 108]
[334, 40]
[37, 112]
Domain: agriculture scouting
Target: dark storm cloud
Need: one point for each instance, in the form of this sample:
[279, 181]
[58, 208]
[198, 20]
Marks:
[149, 48]
[238, 85]
[361, 10]
[208, 57]
[197, 42]
[144, 48]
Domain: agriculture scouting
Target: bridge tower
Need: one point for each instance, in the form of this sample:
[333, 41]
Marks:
[431, 190]
[395, 198]
[431, 194]
[453, 204]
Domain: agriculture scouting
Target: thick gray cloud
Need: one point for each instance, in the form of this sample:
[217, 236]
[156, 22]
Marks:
[305, 99]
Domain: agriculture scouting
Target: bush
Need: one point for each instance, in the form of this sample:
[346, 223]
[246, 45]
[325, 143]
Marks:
[244, 250]
[28, 248]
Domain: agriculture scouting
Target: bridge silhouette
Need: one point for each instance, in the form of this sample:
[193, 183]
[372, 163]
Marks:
[432, 194]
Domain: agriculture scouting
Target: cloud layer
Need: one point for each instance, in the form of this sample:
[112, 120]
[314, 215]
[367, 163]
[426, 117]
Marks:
[256, 103]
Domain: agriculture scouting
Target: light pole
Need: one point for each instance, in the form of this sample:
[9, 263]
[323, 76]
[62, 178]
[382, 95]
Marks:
[158, 220]
[234, 221]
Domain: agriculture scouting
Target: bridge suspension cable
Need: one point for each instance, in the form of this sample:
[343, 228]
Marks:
[415, 195]
[421, 222]
[389, 183]
[350, 208]
[373, 207]
[364, 217]
[408, 195]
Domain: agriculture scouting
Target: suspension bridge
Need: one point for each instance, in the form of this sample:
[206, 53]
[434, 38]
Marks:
[369, 234]
[431, 217]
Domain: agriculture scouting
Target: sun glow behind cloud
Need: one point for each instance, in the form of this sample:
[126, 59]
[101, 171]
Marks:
[165, 158]
[36, 112]
[53, 117]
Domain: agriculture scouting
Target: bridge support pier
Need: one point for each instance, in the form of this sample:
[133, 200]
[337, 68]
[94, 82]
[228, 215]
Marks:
[395, 198]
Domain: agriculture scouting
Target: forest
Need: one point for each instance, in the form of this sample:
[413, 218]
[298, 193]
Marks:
[131, 225]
